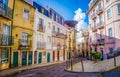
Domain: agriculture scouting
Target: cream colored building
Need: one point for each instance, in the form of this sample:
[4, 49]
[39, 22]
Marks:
[104, 22]
[49, 35]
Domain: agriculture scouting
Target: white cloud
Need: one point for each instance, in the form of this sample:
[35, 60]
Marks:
[80, 17]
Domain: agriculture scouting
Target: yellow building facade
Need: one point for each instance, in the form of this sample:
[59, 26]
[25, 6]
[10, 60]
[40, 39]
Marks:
[6, 13]
[23, 24]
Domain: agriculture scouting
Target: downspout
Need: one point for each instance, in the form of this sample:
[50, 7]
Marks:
[11, 33]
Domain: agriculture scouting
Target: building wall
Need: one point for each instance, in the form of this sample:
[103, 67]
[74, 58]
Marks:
[112, 22]
[46, 34]
[5, 20]
[20, 24]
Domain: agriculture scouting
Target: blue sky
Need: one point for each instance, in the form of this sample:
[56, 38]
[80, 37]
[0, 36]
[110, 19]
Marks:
[66, 8]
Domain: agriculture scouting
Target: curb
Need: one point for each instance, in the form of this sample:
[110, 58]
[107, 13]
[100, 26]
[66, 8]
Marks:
[92, 72]
[14, 71]
[79, 72]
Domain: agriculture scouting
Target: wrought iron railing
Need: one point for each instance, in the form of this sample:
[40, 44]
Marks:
[5, 11]
[6, 40]
[25, 44]
[41, 44]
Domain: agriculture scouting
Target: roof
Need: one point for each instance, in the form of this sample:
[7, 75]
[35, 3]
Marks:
[71, 23]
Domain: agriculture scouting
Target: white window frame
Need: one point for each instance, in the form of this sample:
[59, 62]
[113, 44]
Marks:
[24, 14]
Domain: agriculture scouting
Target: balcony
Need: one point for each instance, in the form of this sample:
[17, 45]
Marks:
[41, 45]
[100, 25]
[101, 41]
[6, 40]
[94, 43]
[24, 44]
[54, 33]
[41, 28]
[94, 29]
[100, 11]
[61, 35]
[86, 34]
[111, 40]
[5, 11]
[58, 46]
[93, 16]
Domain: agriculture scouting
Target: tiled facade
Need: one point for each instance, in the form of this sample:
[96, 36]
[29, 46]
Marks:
[104, 24]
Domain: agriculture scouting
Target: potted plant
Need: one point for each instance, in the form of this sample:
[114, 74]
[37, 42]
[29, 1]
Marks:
[96, 55]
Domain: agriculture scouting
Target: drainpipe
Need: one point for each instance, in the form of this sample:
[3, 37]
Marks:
[11, 32]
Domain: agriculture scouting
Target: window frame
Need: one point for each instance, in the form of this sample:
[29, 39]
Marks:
[24, 15]
[109, 13]
[4, 59]
[118, 6]
[110, 34]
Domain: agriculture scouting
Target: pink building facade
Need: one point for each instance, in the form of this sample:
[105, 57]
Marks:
[104, 24]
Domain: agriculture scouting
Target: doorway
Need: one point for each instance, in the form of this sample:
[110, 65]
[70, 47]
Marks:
[48, 57]
[40, 57]
[24, 58]
[15, 59]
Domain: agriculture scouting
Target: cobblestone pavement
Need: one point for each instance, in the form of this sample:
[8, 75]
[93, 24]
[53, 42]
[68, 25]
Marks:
[56, 70]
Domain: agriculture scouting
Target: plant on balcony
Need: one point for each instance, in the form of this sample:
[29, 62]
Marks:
[29, 35]
[96, 55]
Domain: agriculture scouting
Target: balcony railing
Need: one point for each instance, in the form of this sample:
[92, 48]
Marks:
[54, 33]
[61, 35]
[94, 42]
[5, 11]
[100, 25]
[94, 29]
[100, 10]
[25, 44]
[101, 41]
[86, 33]
[41, 28]
[110, 40]
[6, 40]
[93, 16]
[41, 45]
[58, 46]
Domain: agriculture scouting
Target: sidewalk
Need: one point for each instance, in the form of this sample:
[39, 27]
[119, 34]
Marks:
[98, 67]
[11, 71]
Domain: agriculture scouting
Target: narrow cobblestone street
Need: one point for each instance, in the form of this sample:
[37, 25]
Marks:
[56, 70]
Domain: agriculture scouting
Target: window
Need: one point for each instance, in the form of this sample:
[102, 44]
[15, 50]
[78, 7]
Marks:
[111, 50]
[6, 30]
[99, 6]
[110, 32]
[108, 13]
[49, 39]
[101, 35]
[53, 28]
[4, 56]
[6, 40]
[49, 25]
[94, 23]
[107, 1]
[95, 37]
[58, 30]
[100, 19]
[26, 14]
[41, 22]
[118, 8]
[24, 39]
